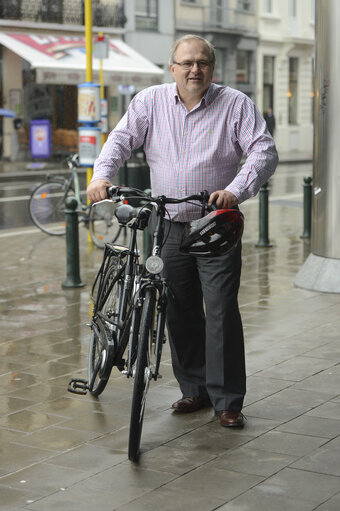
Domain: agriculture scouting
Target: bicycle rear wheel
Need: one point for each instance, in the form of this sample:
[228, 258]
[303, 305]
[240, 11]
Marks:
[143, 374]
[47, 207]
[102, 341]
[103, 225]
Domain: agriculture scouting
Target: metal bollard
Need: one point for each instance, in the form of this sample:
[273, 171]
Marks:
[307, 207]
[263, 217]
[72, 245]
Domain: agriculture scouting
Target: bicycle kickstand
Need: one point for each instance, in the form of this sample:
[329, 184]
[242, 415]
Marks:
[78, 386]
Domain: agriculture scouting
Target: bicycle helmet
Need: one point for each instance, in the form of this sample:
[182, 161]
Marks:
[215, 234]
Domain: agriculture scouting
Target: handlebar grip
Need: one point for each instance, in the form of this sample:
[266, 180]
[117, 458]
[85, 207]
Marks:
[212, 207]
[112, 191]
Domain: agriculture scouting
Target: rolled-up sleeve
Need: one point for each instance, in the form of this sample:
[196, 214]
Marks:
[254, 139]
[129, 134]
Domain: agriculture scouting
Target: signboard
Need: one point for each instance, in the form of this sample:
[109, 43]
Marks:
[89, 102]
[101, 47]
[89, 145]
[40, 138]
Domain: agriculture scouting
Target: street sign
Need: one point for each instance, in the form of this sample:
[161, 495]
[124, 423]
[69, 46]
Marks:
[101, 47]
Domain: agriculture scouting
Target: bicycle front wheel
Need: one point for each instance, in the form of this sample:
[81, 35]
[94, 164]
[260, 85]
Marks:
[102, 342]
[47, 207]
[143, 374]
[103, 224]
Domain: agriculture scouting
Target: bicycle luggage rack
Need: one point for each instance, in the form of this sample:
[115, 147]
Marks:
[78, 386]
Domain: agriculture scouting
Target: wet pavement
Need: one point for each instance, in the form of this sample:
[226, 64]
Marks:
[65, 452]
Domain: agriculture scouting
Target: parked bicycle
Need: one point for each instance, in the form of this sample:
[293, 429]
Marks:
[130, 302]
[47, 207]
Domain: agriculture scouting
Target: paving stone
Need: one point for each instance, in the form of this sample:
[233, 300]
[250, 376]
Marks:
[330, 410]
[252, 461]
[299, 484]
[324, 460]
[333, 504]
[286, 443]
[286, 404]
[328, 381]
[312, 426]
[256, 500]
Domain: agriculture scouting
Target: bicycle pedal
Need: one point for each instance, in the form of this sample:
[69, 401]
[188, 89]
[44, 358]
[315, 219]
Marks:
[78, 386]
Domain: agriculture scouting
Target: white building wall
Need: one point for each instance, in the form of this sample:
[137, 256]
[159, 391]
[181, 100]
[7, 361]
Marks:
[283, 36]
[154, 45]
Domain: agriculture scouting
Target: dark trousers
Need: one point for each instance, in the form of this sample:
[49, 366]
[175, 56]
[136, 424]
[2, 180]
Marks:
[204, 323]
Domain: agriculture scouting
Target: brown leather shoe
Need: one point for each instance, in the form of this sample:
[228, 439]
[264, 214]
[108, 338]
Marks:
[231, 419]
[190, 404]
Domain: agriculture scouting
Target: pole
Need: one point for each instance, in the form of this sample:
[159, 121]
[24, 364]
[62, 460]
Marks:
[263, 217]
[307, 207]
[72, 246]
[89, 73]
[101, 82]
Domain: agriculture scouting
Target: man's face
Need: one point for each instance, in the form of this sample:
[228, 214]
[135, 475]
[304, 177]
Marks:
[195, 81]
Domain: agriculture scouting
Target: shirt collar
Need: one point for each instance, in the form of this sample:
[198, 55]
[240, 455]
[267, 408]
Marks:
[208, 97]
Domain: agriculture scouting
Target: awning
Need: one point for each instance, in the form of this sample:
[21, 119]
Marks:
[62, 60]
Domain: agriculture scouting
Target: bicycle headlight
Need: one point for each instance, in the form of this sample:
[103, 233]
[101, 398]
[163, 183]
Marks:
[154, 264]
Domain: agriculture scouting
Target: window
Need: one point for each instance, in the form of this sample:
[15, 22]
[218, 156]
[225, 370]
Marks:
[292, 8]
[245, 5]
[146, 14]
[268, 82]
[219, 66]
[268, 6]
[52, 11]
[292, 92]
[242, 66]
[10, 9]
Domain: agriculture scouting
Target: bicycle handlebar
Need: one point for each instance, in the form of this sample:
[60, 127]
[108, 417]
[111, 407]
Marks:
[117, 191]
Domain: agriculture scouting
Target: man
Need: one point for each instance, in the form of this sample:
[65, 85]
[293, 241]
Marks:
[194, 134]
[270, 121]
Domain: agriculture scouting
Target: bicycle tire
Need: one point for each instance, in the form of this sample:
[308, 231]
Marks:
[103, 224]
[142, 375]
[102, 342]
[47, 207]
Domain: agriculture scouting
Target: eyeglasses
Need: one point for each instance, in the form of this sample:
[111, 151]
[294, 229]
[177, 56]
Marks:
[187, 64]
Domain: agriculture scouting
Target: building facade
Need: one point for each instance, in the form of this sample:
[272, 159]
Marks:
[284, 70]
[231, 26]
[264, 48]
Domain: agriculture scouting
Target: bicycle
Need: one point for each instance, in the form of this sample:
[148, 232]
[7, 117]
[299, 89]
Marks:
[130, 302]
[47, 208]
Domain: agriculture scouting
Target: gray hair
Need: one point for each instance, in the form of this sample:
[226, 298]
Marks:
[191, 37]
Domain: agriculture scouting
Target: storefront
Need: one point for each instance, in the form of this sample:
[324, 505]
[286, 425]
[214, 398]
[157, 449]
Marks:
[40, 77]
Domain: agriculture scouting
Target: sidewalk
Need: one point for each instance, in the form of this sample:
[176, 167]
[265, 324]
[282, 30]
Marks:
[66, 452]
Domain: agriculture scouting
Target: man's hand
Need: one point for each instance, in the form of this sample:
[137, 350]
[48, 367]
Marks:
[96, 190]
[223, 199]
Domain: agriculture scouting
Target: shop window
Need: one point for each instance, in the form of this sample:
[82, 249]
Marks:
[243, 66]
[146, 14]
[268, 82]
[293, 90]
